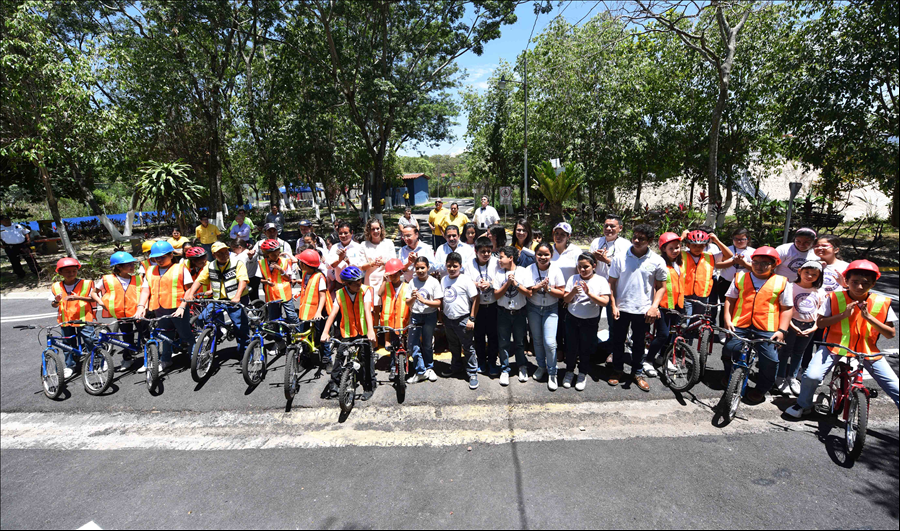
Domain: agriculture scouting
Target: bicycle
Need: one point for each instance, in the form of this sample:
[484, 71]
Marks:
[107, 339]
[740, 373]
[96, 366]
[253, 362]
[705, 340]
[213, 331]
[399, 357]
[845, 398]
[349, 369]
[151, 351]
[301, 347]
[679, 366]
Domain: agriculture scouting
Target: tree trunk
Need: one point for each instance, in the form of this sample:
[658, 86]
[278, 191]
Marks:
[92, 201]
[378, 178]
[712, 178]
[691, 197]
[129, 217]
[54, 211]
[726, 205]
[637, 194]
[895, 205]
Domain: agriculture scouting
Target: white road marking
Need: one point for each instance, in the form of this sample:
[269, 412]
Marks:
[33, 317]
[24, 296]
[91, 526]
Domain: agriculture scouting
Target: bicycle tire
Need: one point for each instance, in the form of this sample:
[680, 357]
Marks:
[203, 358]
[703, 346]
[402, 361]
[679, 369]
[253, 365]
[152, 360]
[347, 390]
[53, 368]
[731, 399]
[291, 372]
[97, 371]
[857, 421]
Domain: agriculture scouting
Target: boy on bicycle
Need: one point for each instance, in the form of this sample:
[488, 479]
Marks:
[855, 319]
[698, 266]
[314, 296]
[275, 273]
[758, 305]
[354, 304]
[72, 297]
[396, 296]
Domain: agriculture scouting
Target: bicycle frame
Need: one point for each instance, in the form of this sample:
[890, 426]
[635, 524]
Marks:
[844, 379]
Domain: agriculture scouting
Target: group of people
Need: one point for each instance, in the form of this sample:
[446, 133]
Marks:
[490, 290]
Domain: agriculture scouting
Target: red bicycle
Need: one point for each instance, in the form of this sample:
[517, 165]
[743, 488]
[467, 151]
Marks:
[395, 343]
[706, 336]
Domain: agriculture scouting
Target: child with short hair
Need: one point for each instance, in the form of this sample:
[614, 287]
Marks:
[427, 295]
[586, 293]
[276, 274]
[460, 306]
[313, 297]
[119, 294]
[512, 321]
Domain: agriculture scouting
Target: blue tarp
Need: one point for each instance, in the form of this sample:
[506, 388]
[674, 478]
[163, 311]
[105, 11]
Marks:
[120, 218]
[300, 189]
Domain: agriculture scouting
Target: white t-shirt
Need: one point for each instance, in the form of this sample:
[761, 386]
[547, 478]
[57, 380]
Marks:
[535, 276]
[478, 272]
[440, 257]
[355, 257]
[411, 222]
[14, 234]
[807, 303]
[825, 311]
[728, 272]
[568, 261]
[484, 217]
[420, 250]
[514, 299]
[375, 275]
[831, 275]
[367, 301]
[615, 248]
[786, 299]
[791, 260]
[636, 280]
[582, 306]
[458, 294]
[432, 291]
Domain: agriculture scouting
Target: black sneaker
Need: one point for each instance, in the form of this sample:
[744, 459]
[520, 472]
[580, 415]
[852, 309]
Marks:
[330, 391]
[367, 395]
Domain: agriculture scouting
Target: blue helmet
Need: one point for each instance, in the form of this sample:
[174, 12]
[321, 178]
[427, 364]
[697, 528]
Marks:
[120, 258]
[352, 274]
[161, 249]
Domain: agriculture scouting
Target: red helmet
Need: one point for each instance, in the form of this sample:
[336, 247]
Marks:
[668, 237]
[698, 237]
[69, 262]
[393, 265]
[308, 257]
[195, 252]
[767, 252]
[863, 265]
[270, 245]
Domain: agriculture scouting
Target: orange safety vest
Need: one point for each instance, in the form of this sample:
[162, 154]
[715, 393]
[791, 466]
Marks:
[74, 310]
[309, 297]
[674, 297]
[122, 302]
[166, 291]
[394, 309]
[282, 288]
[353, 315]
[698, 277]
[760, 309]
[147, 265]
[855, 332]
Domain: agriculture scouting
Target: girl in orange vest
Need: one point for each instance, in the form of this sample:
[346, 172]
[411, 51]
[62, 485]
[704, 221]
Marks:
[673, 298]
[72, 297]
[313, 297]
[698, 267]
[119, 295]
[854, 318]
[275, 273]
[759, 304]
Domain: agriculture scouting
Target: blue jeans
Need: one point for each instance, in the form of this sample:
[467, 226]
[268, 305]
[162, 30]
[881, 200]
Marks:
[690, 308]
[543, 320]
[512, 324]
[581, 335]
[792, 353]
[638, 324]
[422, 340]
[821, 363]
[290, 312]
[461, 348]
[181, 325]
[661, 339]
[767, 359]
[88, 339]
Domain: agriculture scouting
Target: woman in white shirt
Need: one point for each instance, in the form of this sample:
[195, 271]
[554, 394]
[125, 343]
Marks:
[376, 251]
[547, 289]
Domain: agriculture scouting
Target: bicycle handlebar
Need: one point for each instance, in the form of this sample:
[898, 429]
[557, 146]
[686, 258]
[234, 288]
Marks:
[745, 340]
[851, 351]
[397, 330]
[706, 305]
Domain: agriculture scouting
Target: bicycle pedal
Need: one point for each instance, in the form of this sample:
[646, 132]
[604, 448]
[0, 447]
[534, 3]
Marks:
[873, 393]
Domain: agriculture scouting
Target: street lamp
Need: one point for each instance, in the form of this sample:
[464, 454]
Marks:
[795, 189]
[524, 83]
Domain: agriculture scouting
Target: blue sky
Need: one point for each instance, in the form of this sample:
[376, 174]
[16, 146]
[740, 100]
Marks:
[511, 43]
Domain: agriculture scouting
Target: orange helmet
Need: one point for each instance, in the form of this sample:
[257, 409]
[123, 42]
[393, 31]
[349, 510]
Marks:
[309, 257]
[668, 237]
[67, 262]
[767, 252]
[863, 265]
[393, 265]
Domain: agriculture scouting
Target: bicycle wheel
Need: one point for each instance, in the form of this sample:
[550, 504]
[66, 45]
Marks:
[291, 372]
[857, 420]
[703, 346]
[401, 377]
[203, 357]
[52, 369]
[97, 371]
[347, 390]
[253, 364]
[152, 360]
[680, 367]
[731, 400]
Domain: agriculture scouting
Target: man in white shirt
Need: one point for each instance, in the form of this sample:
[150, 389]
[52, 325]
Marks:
[451, 234]
[794, 255]
[413, 250]
[240, 229]
[485, 216]
[345, 253]
[608, 246]
[16, 243]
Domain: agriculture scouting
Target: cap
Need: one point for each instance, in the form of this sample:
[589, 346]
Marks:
[812, 264]
[218, 246]
[268, 226]
[564, 226]
[305, 223]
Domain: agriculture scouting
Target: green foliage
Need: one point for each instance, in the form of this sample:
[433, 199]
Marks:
[557, 189]
[169, 187]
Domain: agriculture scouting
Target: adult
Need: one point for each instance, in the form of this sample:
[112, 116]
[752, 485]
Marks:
[16, 242]
[608, 246]
[454, 217]
[412, 250]
[523, 236]
[241, 227]
[485, 215]
[207, 234]
[407, 220]
[178, 242]
[435, 218]
[306, 227]
[345, 252]
[276, 217]
[377, 250]
[565, 253]
[453, 245]
[793, 255]
[406, 199]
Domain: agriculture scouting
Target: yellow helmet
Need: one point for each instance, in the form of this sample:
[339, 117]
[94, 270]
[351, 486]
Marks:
[145, 247]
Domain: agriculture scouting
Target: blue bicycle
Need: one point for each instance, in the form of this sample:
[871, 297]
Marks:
[151, 351]
[740, 373]
[96, 366]
[254, 363]
[214, 331]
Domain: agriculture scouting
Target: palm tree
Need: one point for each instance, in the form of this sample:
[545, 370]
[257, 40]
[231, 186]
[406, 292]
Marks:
[168, 186]
[556, 189]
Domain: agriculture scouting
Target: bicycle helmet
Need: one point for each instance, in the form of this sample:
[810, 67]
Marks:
[352, 274]
[863, 265]
[120, 258]
[270, 245]
[195, 252]
[668, 237]
[67, 262]
[310, 258]
[766, 252]
[393, 265]
[698, 237]
[161, 249]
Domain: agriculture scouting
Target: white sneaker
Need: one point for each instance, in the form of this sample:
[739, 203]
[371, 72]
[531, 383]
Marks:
[539, 374]
[142, 370]
[582, 381]
[504, 379]
[795, 387]
[551, 383]
[797, 412]
[649, 370]
[780, 386]
[127, 365]
[67, 373]
[431, 375]
[523, 375]
[567, 381]
[416, 378]
[164, 366]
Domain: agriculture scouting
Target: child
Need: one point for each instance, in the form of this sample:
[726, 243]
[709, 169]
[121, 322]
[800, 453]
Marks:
[72, 297]
[510, 291]
[699, 267]
[275, 274]
[807, 300]
[147, 261]
[313, 296]
[395, 295]
[827, 249]
[119, 294]
[585, 294]
[546, 284]
[740, 246]
[460, 309]
[481, 269]
[195, 259]
[354, 304]
[537, 235]
[854, 318]
[426, 294]
[673, 292]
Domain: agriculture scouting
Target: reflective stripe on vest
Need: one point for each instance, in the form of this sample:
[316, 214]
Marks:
[395, 309]
[228, 277]
[855, 332]
[309, 297]
[353, 315]
[282, 288]
[74, 310]
[760, 309]
[167, 291]
[698, 277]
[674, 290]
[118, 302]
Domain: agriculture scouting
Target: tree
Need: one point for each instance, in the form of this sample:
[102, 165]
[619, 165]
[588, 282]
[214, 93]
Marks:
[556, 189]
[169, 188]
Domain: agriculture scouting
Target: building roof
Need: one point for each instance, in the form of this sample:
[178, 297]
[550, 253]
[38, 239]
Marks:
[411, 176]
